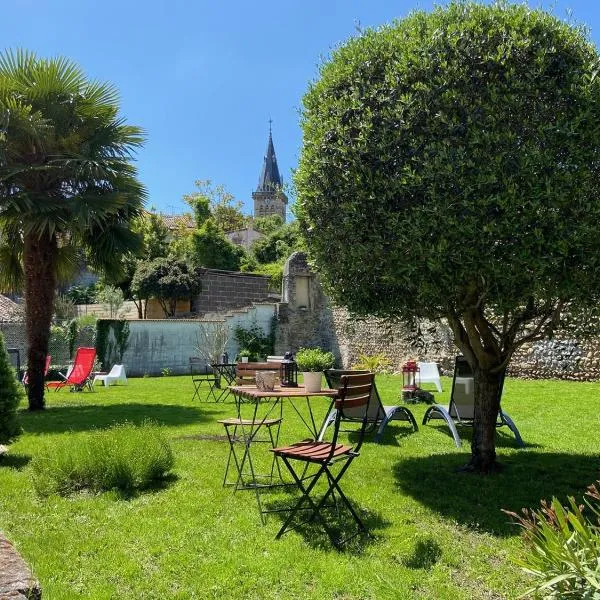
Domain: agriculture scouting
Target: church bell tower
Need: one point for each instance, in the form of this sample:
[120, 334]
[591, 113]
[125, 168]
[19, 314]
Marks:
[269, 198]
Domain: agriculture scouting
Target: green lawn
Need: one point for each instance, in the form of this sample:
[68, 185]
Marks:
[436, 533]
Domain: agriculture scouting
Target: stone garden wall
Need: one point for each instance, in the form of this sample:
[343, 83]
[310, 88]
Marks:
[307, 318]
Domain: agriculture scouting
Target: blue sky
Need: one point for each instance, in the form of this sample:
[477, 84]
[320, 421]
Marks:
[203, 78]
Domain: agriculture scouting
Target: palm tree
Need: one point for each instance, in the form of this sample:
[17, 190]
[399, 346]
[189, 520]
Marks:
[67, 186]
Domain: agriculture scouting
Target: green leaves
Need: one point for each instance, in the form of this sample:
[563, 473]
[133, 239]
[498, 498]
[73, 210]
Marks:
[450, 149]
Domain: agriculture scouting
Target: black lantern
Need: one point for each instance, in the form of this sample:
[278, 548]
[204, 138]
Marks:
[288, 371]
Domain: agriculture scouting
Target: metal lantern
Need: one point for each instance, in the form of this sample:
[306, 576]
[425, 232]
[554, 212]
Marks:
[288, 371]
[410, 375]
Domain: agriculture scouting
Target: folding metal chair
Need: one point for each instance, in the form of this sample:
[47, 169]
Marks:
[240, 451]
[200, 374]
[354, 391]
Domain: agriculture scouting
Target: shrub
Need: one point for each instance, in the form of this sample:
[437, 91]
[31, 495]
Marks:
[10, 395]
[124, 457]
[375, 363]
[564, 547]
[314, 359]
[255, 340]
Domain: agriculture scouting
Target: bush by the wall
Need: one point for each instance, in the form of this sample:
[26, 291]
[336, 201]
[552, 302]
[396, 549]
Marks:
[124, 457]
[10, 395]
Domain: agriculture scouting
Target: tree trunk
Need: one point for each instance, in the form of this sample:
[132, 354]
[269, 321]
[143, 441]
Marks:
[488, 387]
[39, 259]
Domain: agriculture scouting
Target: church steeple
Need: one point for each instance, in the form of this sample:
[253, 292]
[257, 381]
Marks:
[269, 198]
[269, 176]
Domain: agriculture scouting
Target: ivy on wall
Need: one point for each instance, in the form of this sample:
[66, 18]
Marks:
[106, 348]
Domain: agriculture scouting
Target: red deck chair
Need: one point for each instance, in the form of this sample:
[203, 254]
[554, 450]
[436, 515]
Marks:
[80, 374]
[25, 380]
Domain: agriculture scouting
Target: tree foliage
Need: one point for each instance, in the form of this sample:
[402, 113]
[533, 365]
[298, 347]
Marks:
[216, 202]
[278, 244]
[211, 249]
[450, 169]
[167, 280]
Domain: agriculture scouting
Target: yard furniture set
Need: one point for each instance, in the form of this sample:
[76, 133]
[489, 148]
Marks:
[353, 398]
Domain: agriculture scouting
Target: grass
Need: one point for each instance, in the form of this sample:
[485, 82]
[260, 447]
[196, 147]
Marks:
[436, 533]
[124, 457]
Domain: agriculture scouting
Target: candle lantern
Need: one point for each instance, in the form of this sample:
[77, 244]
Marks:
[288, 371]
[410, 376]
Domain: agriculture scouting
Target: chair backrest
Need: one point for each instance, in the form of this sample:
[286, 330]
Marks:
[245, 373]
[428, 370]
[462, 397]
[116, 371]
[355, 392]
[82, 366]
[375, 408]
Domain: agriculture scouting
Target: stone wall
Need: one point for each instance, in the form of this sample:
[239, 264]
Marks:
[225, 290]
[16, 580]
[306, 317]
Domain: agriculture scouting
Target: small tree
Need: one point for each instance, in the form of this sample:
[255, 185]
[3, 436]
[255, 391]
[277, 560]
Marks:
[211, 249]
[112, 297]
[10, 396]
[167, 280]
[450, 170]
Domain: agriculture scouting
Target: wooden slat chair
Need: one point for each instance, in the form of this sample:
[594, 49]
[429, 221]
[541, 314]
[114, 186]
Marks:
[378, 415]
[245, 373]
[355, 392]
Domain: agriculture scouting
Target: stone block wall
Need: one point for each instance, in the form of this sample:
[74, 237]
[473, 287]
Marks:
[16, 580]
[306, 317]
[225, 290]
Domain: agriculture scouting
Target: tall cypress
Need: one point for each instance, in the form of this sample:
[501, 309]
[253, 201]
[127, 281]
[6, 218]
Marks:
[10, 396]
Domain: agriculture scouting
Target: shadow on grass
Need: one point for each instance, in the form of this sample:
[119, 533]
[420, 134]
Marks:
[338, 519]
[504, 437]
[476, 500]
[158, 485]
[14, 461]
[391, 435]
[58, 419]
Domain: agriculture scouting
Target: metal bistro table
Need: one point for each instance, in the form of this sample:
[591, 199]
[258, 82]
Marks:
[266, 420]
[224, 371]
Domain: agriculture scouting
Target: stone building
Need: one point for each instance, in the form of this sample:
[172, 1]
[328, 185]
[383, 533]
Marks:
[269, 198]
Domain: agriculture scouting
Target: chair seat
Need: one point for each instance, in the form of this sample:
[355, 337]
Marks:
[236, 421]
[312, 451]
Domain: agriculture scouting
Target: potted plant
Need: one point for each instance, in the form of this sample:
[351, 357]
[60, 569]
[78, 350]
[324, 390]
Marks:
[244, 355]
[311, 363]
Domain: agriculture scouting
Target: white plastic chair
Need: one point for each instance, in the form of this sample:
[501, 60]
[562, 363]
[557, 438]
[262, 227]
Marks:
[117, 373]
[429, 373]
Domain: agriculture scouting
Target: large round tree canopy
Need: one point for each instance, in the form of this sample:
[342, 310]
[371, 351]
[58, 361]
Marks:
[453, 159]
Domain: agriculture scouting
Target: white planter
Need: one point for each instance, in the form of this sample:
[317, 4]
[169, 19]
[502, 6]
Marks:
[244, 359]
[312, 381]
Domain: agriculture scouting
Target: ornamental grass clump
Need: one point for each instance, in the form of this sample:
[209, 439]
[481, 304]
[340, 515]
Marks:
[563, 547]
[125, 457]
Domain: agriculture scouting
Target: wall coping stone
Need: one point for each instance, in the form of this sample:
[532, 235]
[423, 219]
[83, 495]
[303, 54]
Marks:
[16, 579]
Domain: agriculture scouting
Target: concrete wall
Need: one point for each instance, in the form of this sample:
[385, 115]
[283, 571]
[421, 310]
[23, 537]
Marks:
[169, 343]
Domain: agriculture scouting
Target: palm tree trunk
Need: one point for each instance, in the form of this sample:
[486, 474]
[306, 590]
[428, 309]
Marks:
[40, 285]
[487, 404]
